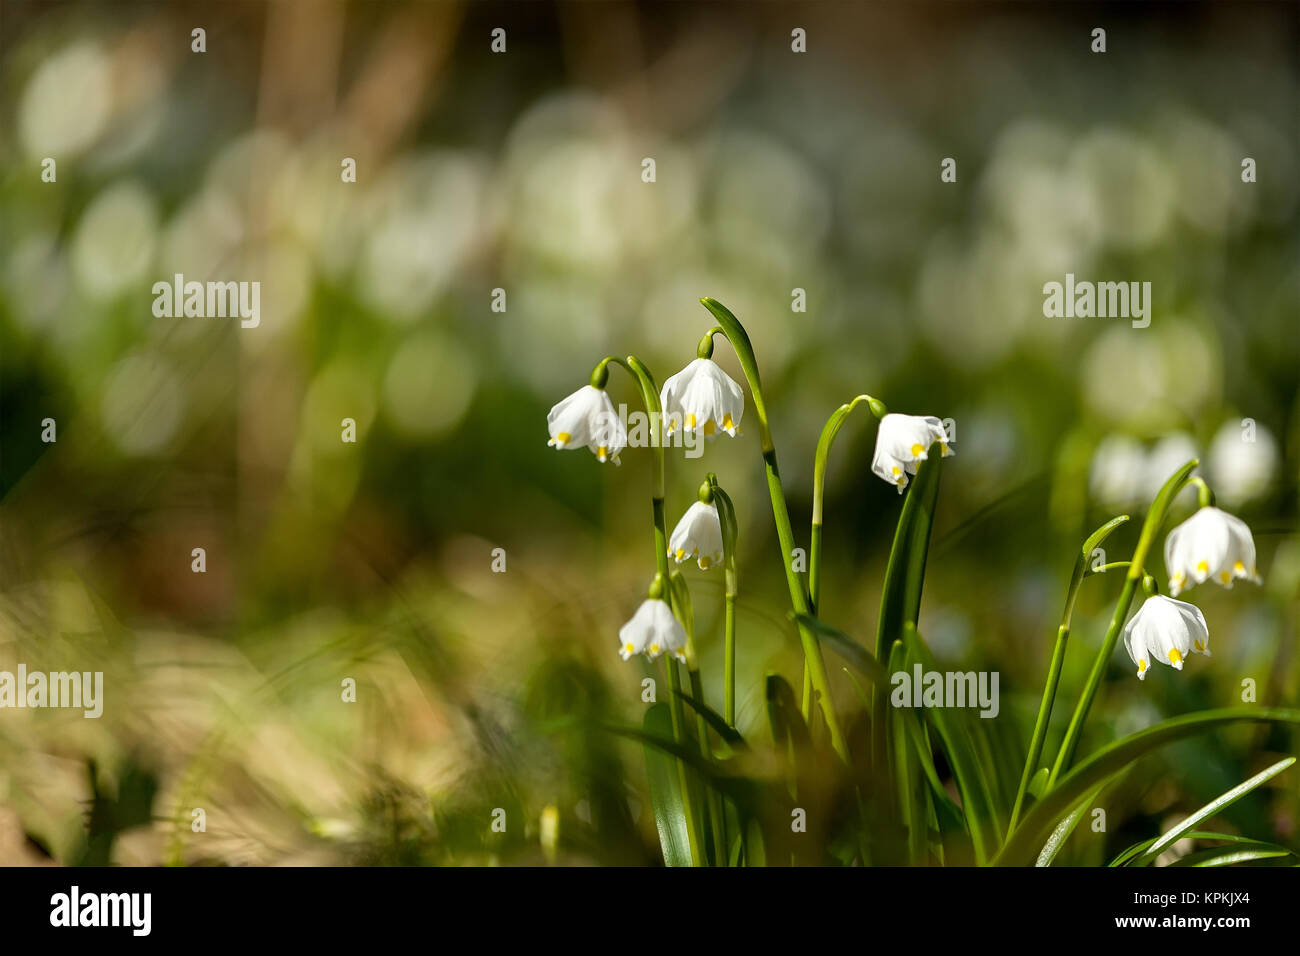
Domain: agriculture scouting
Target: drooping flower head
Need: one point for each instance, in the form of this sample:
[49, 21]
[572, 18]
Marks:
[702, 396]
[903, 442]
[652, 631]
[1210, 545]
[698, 535]
[1165, 630]
[587, 419]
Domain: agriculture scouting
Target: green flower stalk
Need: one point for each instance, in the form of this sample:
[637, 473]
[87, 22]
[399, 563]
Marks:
[650, 399]
[735, 333]
[1058, 659]
[731, 581]
[1150, 528]
[824, 443]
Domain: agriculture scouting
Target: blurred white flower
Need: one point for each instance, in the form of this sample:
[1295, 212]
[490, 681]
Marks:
[1117, 470]
[1211, 544]
[67, 103]
[587, 419]
[702, 396]
[1169, 454]
[903, 442]
[1167, 631]
[697, 535]
[1242, 469]
[652, 631]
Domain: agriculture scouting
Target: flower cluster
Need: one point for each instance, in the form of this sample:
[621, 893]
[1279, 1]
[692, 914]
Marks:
[702, 399]
[1211, 545]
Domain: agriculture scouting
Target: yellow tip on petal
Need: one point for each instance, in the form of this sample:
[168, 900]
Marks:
[1239, 568]
[727, 423]
[1142, 665]
[690, 421]
[1175, 657]
[654, 648]
[563, 437]
[1225, 577]
[1203, 567]
[917, 449]
[706, 562]
[629, 648]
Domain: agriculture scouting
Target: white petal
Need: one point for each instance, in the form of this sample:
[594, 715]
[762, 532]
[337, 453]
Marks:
[636, 634]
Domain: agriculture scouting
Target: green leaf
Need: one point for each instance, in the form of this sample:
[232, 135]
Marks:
[1022, 846]
[976, 795]
[1063, 830]
[1221, 802]
[911, 796]
[1101, 534]
[785, 718]
[845, 646]
[900, 602]
[1122, 859]
[1227, 856]
[666, 789]
[716, 721]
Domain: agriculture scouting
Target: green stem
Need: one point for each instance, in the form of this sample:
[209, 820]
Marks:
[1040, 725]
[739, 339]
[650, 398]
[1204, 496]
[1150, 528]
[1081, 571]
[730, 532]
[831, 429]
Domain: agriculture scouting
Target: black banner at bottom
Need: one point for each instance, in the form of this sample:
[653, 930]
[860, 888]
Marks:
[332, 906]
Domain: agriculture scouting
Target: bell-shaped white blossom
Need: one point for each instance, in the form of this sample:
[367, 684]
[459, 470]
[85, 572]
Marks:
[1165, 630]
[903, 442]
[702, 396]
[698, 535]
[652, 631]
[1210, 545]
[587, 419]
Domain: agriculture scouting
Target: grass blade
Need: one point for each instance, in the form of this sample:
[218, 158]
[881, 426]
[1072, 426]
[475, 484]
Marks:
[1022, 846]
[976, 795]
[1063, 830]
[1221, 802]
[666, 789]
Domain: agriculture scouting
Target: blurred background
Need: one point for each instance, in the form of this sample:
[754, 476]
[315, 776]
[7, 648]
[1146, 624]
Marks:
[522, 171]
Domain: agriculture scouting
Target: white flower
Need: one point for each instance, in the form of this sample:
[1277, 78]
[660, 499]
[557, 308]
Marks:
[703, 396]
[903, 442]
[1211, 544]
[1169, 454]
[1117, 471]
[1165, 630]
[587, 419]
[1242, 462]
[652, 631]
[697, 535]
